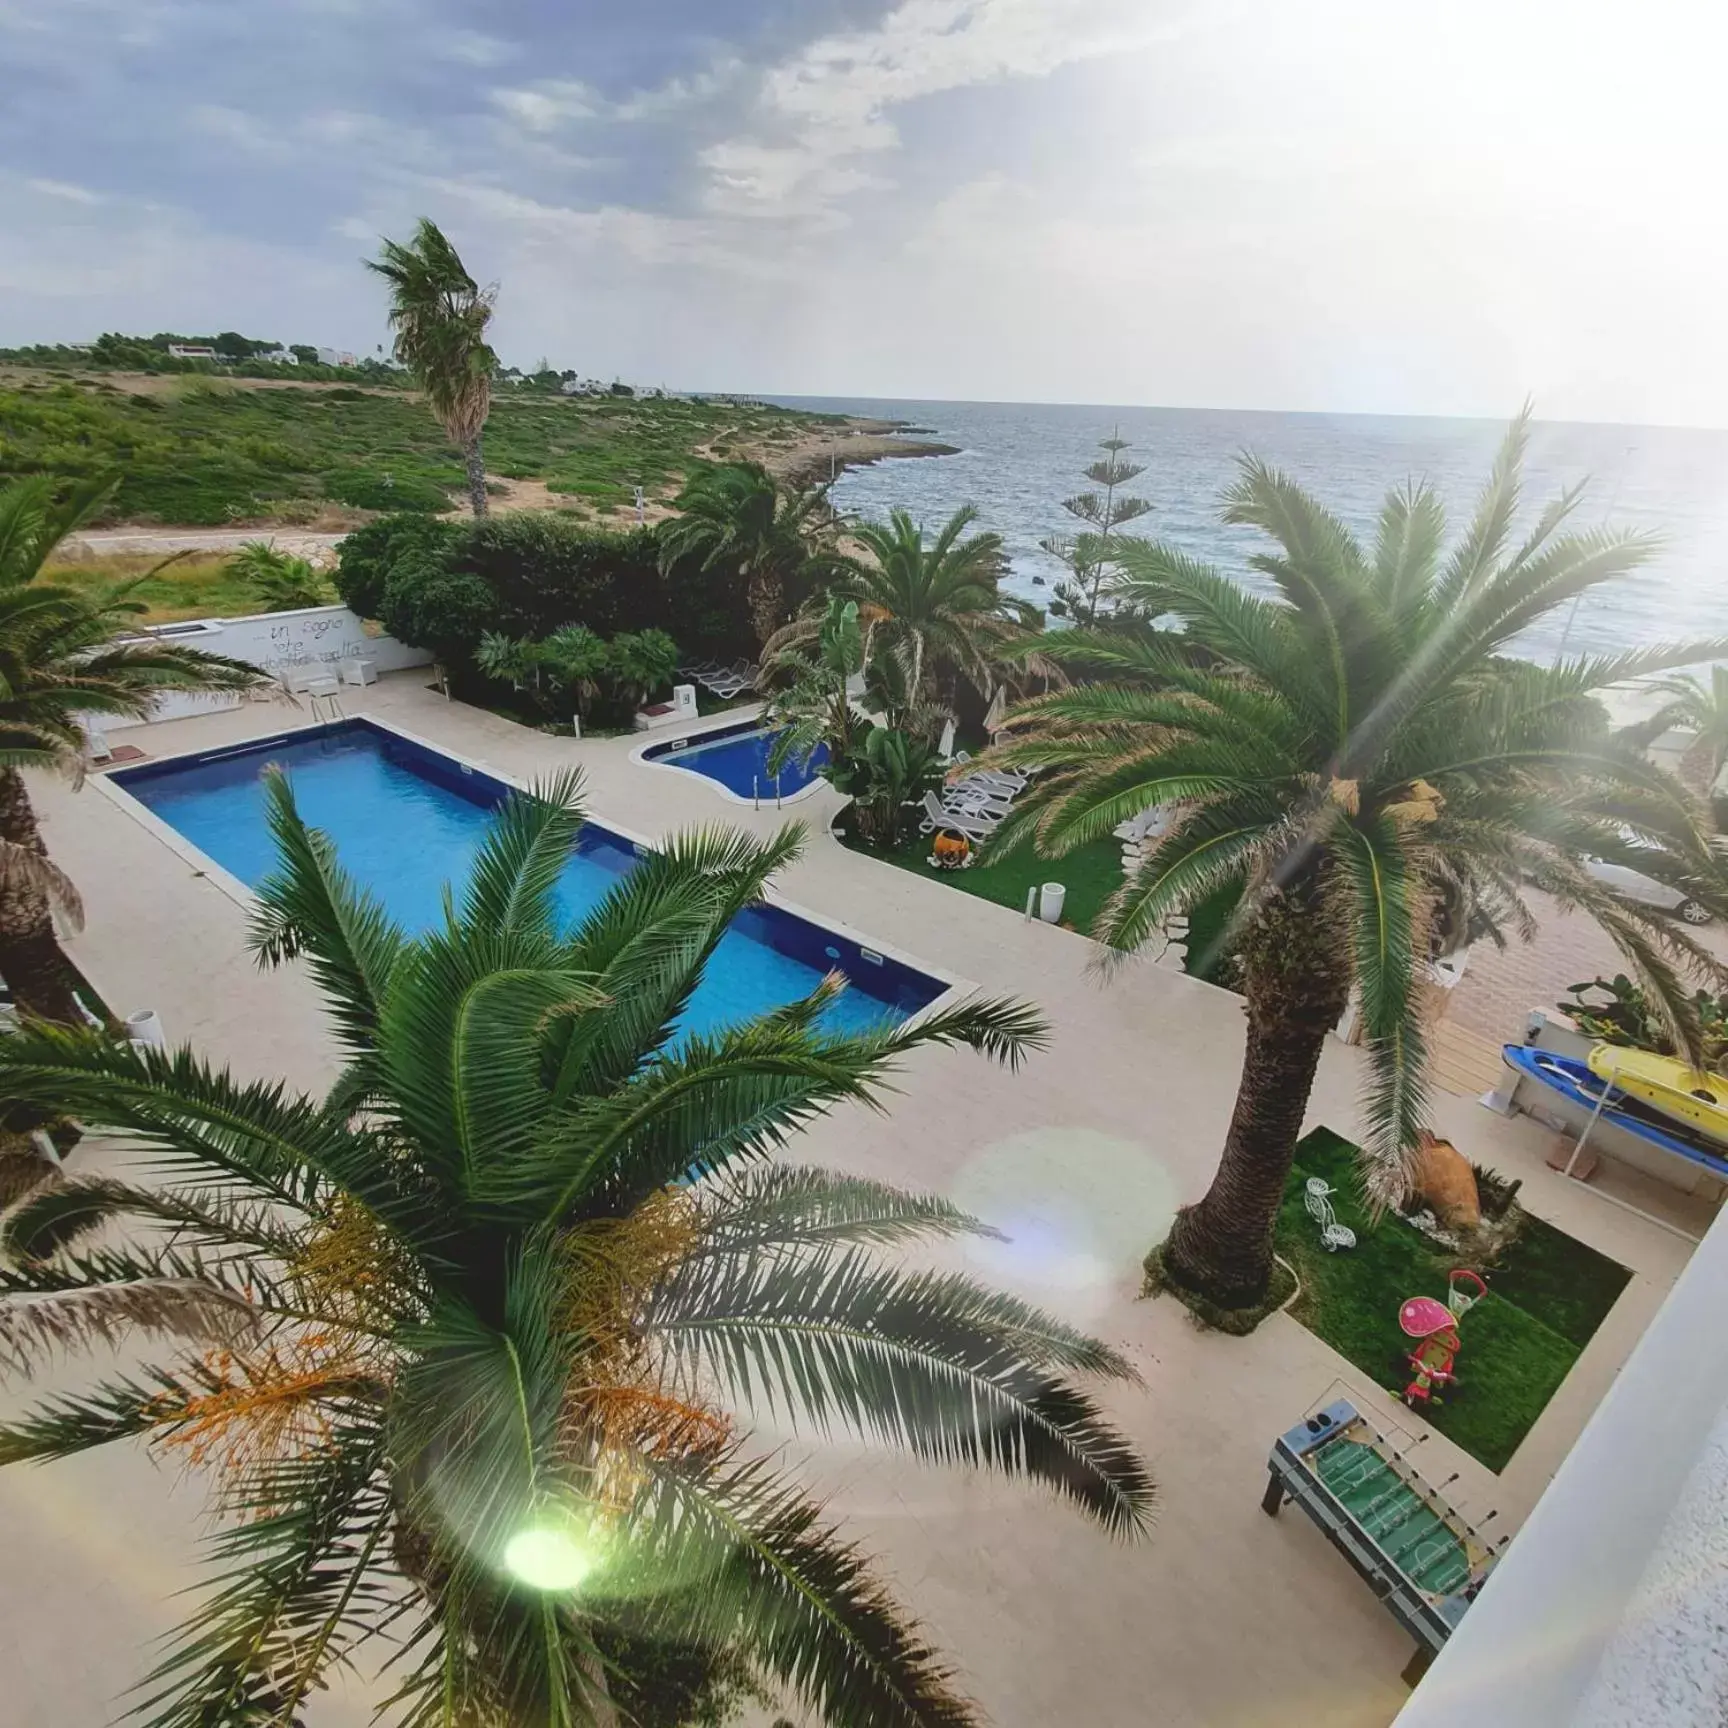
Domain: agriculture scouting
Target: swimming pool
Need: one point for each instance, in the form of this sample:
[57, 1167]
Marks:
[735, 758]
[407, 820]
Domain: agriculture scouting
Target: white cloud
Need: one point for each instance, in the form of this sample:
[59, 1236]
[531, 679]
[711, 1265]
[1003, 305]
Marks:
[240, 130]
[831, 102]
[549, 105]
[66, 190]
[470, 48]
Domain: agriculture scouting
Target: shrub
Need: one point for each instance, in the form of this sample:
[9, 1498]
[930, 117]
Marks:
[548, 570]
[283, 582]
[365, 489]
[429, 605]
[544, 573]
[367, 556]
[575, 671]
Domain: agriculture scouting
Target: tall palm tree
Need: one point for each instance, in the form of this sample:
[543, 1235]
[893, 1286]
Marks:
[463, 1341]
[935, 606]
[64, 657]
[1360, 746]
[440, 314]
[738, 516]
[1691, 702]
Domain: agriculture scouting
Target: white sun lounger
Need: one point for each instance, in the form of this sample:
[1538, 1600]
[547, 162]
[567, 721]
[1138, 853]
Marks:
[970, 825]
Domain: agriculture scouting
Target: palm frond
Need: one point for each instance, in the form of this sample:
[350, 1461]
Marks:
[35, 1325]
[1388, 924]
[309, 905]
[303, 1579]
[726, 1553]
[936, 1364]
[783, 1205]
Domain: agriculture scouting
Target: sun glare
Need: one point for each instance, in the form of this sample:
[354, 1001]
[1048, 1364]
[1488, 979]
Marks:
[549, 1557]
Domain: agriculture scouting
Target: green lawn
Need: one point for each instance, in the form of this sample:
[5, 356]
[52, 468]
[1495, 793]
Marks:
[1090, 875]
[214, 451]
[1547, 1296]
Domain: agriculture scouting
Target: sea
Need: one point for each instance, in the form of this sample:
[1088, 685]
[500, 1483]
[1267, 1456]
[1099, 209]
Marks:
[1018, 461]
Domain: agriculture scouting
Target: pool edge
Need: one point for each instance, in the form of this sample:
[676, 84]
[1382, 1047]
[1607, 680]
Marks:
[112, 785]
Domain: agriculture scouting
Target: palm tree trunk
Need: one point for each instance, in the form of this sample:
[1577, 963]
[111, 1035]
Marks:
[767, 602]
[476, 465]
[1297, 985]
[31, 962]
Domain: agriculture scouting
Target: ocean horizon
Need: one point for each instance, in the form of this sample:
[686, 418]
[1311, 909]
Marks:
[1018, 461]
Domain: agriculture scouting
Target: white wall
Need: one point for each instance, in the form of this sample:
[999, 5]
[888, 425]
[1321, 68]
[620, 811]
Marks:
[1600, 1567]
[279, 643]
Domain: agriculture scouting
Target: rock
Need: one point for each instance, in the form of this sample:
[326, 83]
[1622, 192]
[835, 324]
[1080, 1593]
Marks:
[1446, 1182]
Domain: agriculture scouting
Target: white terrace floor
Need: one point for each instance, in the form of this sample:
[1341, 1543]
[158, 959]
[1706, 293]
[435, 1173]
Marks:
[1222, 1617]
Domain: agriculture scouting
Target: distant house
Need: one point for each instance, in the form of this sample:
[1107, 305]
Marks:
[336, 357]
[278, 357]
[192, 351]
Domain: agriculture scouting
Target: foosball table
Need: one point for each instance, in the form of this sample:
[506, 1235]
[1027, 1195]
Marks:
[1421, 1556]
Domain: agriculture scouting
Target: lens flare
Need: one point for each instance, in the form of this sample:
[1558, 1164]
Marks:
[549, 1557]
[1079, 1209]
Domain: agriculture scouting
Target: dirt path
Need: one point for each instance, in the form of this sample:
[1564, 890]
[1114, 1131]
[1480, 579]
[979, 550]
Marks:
[113, 542]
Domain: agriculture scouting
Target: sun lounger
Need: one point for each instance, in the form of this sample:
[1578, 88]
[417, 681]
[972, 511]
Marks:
[993, 785]
[1018, 778]
[978, 799]
[968, 825]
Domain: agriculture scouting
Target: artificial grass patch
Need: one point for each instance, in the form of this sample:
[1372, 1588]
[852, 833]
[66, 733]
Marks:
[1091, 875]
[1547, 1294]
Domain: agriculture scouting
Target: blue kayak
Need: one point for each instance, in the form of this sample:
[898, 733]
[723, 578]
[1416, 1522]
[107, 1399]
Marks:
[1573, 1079]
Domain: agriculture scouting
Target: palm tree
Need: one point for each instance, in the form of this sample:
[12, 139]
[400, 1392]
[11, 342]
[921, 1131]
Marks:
[815, 706]
[935, 607]
[282, 581]
[1691, 703]
[738, 516]
[1360, 747]
[64, 657]
[440, 313]
[461, 1336]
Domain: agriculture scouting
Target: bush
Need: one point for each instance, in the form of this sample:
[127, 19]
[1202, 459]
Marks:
[544, 573]
[548, 570]
[365, 489]
[429, 605]
[367, 556]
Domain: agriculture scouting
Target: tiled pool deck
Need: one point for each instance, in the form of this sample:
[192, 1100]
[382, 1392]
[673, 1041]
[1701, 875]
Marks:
[1222, 1617]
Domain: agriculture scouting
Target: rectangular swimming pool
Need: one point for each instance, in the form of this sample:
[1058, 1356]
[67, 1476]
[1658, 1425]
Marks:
[407, 820]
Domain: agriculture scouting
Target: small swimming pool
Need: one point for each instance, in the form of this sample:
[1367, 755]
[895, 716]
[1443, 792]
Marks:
[735, 758]
[407, 820]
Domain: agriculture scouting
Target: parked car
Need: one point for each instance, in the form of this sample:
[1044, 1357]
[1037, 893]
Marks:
[1635, 885]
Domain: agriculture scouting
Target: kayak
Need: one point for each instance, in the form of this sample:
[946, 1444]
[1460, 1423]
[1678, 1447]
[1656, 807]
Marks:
[1682, 1093]
[1573, 1080]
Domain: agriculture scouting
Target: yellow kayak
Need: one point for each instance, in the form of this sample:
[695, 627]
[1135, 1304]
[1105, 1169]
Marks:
[1682, 1094]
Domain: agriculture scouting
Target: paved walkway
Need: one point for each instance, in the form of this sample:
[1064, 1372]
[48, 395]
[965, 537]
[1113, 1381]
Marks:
[1500, 987]
[1222, 1617]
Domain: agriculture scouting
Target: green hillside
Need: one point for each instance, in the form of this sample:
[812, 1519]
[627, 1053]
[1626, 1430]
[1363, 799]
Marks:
[212, 451]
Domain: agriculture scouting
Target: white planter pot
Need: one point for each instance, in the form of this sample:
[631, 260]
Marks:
[1050, 900]
[145, 1028]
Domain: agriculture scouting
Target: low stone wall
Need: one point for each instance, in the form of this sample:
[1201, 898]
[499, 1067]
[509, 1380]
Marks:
[279, 643]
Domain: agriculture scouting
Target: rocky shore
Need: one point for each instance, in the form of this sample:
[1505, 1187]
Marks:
[822, 452]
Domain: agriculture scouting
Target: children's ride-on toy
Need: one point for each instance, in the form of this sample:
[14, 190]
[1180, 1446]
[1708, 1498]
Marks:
[1433, 1362]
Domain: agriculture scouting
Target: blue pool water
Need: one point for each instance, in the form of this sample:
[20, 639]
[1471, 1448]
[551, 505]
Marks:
[738, 759]
[407, 820]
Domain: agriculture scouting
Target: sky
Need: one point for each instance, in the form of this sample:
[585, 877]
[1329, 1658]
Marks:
[1346, 205]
